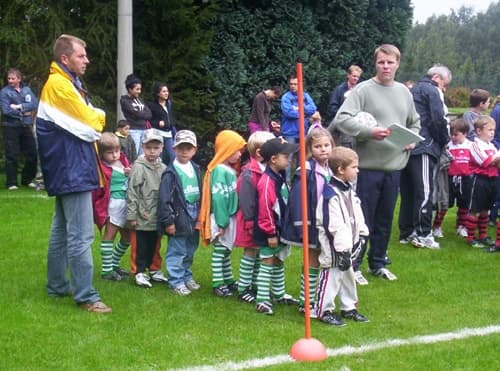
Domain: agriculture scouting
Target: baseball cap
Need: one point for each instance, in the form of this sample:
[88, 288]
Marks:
[185, 136]
[277, 145]
[151, 134]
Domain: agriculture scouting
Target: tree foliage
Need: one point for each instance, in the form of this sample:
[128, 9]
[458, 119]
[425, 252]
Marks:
[464, 42]
[215, 55]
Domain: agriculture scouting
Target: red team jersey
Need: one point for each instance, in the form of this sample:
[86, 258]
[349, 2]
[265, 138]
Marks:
[460, 165]
[481, 157]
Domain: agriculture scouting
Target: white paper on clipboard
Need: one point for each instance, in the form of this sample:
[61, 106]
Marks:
[401, 136]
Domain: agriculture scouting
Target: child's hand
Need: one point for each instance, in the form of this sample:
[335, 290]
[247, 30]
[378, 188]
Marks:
[170, 230]
[126, 171]
[221, 232]
[133, 223]
[197, 226]
[272, 241]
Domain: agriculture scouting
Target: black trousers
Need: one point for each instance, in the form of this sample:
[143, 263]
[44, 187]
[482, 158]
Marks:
[416, 187]
[146, 244]
[19, 140]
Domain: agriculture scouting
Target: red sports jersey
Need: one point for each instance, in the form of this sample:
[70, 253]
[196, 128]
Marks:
[482, 154]
[460, 165]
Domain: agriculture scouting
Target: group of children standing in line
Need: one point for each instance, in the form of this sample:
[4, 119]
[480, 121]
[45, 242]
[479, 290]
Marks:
[255, 210]
[473, 173]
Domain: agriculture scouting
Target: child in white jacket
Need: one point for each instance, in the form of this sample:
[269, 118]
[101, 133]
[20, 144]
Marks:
[341, 232]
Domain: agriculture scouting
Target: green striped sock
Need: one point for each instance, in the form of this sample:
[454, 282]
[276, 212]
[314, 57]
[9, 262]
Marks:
[246, 273]
[119, 250]
[256, 272]
[217, 265]
[278, 281]
[106, 257]
[313, 283]
[227, 269]
[264, 283]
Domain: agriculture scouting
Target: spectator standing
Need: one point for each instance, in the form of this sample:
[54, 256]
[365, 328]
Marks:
[495, 114]
[417, 185]
[18, 104]
[340, 93]
[380, 162]
[67, 128]
[162, 119]
[479, 102]
[290, 115]
[135, 111]
[260, 116]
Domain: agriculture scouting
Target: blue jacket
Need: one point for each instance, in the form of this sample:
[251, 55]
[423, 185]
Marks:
[172, 206]
[433, 123]
[495, 114]
[292, 220]
[67, 128]
[337, 98]
[290, 113]
[27, 100]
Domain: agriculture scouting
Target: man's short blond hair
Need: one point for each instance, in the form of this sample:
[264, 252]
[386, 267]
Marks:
[64, 46]
[388, 49]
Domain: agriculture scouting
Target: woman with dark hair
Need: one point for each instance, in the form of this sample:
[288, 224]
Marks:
[162, 118]
[134, 110]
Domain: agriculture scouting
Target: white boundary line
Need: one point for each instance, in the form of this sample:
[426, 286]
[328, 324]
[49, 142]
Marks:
[349, 350]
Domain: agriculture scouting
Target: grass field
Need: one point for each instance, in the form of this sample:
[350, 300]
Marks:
[437, 292]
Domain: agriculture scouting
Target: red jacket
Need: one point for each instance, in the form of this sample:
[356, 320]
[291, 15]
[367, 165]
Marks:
[101, 196]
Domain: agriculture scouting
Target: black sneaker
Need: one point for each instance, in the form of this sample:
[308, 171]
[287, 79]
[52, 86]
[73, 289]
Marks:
[332, 319]
[233, 286]
[287, 299]
[113, 276]
[222, 291]
[265, 308]
[122, 272]
[354, 315]
[492, 249]
[247, 296]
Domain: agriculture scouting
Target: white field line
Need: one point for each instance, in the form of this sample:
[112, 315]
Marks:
[23, 195]
[350, 350]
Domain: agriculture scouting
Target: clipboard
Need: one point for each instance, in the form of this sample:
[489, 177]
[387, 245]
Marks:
[401, 136]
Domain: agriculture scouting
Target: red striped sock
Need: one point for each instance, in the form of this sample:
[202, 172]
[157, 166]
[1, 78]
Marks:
[482, 223]
[471, 225]
[439, 219]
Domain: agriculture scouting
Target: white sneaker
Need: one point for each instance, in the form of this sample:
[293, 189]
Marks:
[192, 285]
[32, 185]
[384, 273]
[407, 240]
[181, 290]
[425, 241]
[142, 280]
[158, 276]
[360, 279]
[13, 188]
[462, 231]
[438, 232]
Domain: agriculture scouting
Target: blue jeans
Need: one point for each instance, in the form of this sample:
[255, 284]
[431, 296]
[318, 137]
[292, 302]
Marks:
[180, 253]
[168, 150]
[179, 259]
[71, 237]
[136, 135]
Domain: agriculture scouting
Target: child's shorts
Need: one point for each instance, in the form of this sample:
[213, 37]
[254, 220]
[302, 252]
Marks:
[483, 193]
[227, 239]
[280, 251]
[117, 211]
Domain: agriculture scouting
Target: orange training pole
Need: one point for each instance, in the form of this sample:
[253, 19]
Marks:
[307, 349]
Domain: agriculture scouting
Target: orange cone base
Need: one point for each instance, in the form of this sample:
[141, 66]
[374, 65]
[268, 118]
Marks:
[308, 350]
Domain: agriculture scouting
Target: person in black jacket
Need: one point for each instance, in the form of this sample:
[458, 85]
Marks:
[163, 119]
[416, 187]
[178, 209]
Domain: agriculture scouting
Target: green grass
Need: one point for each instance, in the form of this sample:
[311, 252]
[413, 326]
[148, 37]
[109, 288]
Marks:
[438, 291]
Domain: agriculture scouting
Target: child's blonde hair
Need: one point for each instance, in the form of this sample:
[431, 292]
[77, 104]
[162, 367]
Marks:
[256, 140]
[314, 134]
[482, 121]
[108, 141]
[342, 157]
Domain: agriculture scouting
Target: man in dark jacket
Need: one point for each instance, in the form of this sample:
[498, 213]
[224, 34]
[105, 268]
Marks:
[416, 187]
